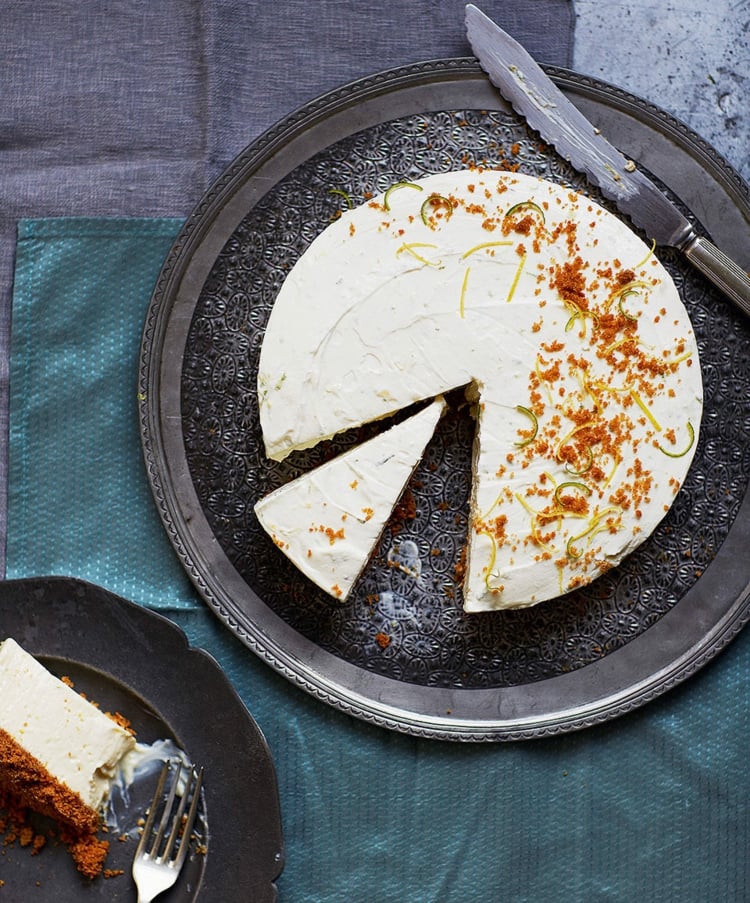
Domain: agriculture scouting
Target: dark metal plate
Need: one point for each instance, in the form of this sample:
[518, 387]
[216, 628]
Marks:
[136, 662]
[561, 665]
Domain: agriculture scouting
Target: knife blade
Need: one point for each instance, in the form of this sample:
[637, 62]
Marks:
[533, 94]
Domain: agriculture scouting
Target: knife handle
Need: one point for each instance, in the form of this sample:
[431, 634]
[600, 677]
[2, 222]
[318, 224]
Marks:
[723, 272]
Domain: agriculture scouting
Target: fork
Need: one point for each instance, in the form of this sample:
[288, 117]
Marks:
[162, 849]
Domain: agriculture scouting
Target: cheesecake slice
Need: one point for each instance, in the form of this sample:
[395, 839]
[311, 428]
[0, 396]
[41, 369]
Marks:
[58, 753]
[329, 520]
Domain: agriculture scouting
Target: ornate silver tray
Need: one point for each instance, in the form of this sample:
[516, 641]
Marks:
[401, 654]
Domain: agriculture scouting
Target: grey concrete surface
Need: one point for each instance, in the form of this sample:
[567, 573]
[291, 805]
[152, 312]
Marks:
[689, 57]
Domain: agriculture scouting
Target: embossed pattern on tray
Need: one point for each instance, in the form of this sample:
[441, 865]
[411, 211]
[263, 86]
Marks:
[404, 621]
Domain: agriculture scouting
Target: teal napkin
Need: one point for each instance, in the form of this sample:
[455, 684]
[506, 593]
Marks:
[79, 502]
[650, 807]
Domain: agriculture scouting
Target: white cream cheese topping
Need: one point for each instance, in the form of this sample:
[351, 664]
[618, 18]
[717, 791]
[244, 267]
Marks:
[78, 745]
[568, 331]
[329, 520]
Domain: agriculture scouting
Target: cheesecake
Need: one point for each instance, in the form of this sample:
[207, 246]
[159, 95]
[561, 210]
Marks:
[59, 754]
[565, 330]
[329, 520]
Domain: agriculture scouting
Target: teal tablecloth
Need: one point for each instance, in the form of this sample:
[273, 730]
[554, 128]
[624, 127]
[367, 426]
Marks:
[650, 807]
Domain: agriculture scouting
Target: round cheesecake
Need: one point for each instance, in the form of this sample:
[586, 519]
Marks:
[564, 328]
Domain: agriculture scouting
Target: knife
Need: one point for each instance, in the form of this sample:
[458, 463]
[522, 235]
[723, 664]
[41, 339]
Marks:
[548, 111]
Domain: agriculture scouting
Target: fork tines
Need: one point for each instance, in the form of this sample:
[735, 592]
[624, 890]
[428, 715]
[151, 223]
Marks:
[167, 843]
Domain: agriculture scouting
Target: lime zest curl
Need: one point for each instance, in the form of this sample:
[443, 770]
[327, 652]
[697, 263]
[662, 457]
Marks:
[491, 563]
[462, 299]
[579, 487]
[587, 465]
[409, 249]
[435, 200]
[395, 187]
[650, 253]
[484, 245]
[579, 313]
[630, 288]
[646, 410]
[595, 526]
[621, 306]
[525, 205]
[514, 284]
[534, 425]
[347, 198]
[681, 454]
